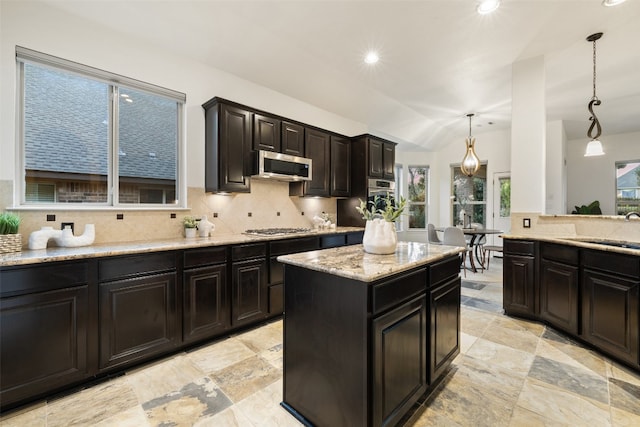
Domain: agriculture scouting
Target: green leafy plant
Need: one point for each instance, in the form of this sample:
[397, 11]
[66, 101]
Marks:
[9, 223]
[391, 212]
[592, 209]
[189, 222]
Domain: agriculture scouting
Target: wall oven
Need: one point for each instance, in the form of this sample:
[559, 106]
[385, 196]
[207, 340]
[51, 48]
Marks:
[382, 189]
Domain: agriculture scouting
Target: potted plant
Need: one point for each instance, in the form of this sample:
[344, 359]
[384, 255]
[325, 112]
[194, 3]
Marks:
[190, 226]
[10, 240]
[380, 230]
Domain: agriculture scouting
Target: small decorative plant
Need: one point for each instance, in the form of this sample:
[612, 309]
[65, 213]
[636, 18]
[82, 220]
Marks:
[592, 209]
[390, 212]
[189, 222]
[9, 223]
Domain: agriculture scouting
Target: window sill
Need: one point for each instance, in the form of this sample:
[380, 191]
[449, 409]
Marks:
[77, 208]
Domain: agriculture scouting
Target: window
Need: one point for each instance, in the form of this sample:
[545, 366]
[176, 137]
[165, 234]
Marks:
[469, 197]
[627, 187]
[90, 137]
[417, 184]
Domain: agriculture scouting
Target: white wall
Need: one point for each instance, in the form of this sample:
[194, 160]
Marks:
[40, 27]
[556, 169]
[594, 178]
[492, 147]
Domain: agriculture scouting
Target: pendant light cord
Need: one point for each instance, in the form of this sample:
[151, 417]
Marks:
[595, 123]
[594, 71]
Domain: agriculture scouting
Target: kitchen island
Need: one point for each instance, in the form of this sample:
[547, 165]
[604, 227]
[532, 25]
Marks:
[366, 335]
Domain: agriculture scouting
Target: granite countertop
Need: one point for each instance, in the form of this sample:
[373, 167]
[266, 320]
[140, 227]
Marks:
[354, 263]
[598, 243]
[54, 253]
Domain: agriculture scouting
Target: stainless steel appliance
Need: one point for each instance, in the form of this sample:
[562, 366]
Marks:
[282, 167]
[380, 189]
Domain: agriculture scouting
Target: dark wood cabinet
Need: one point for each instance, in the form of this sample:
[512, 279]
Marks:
[266, 133]
[317, 147]
[205, 297]
[399, 360]
[444, 336]
[519, 278]
[610, 304]
[388, 160]
[292, 139]
[43, 340]
[249, 289]
[559, 286]
[340, 166]
[228, 142]
[381, 159]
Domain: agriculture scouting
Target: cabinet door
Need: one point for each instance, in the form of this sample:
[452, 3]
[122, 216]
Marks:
[317, 148]
[610, 314]
[559, 295]
[376, 149]
[444, 334]
[399, 360]
[234, 149]
[340, 167]
[292, 139]
[249, 299]
[43, 342]
[266, 133]
[138, 319]
[206, 310]
[518, 278]
[388, 160]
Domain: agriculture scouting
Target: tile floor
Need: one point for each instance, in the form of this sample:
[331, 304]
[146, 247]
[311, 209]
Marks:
[510, 373]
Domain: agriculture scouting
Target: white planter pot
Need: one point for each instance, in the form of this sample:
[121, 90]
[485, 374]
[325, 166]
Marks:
[380, 237]
[190, 233]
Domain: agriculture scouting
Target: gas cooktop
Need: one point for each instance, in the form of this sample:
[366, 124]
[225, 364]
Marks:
[276, 231]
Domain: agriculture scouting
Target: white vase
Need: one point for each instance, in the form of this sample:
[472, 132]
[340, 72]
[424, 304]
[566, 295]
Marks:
[380, 237]
[190, 233]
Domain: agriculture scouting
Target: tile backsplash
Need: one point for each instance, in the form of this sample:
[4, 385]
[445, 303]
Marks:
[268, 205]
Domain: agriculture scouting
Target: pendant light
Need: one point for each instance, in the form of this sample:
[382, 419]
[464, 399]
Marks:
[470, 162]
[594, 147]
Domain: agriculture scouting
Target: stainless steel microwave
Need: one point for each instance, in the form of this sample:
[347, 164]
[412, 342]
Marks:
[282, 167]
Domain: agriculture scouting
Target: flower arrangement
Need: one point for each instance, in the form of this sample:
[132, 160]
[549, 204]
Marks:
[390, 213]
[189, 222]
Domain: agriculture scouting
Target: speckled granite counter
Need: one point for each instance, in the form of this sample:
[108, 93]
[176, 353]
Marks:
[582, 241]
[61, 254]
[354, 263]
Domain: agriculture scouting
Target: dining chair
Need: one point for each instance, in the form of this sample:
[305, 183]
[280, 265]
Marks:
[432, 236]
[453, 236]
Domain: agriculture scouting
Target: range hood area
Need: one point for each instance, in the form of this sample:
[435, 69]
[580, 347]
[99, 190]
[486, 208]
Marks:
[281, 167]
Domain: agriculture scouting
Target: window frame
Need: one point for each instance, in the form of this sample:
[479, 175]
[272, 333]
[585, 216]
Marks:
[426, 197]
[455, 202]
[115, 82]
[617, 164]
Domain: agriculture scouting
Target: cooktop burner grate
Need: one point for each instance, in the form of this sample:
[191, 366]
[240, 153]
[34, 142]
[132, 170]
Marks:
[274, 231]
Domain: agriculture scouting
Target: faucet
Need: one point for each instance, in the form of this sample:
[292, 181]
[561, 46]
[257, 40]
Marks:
[628, 216]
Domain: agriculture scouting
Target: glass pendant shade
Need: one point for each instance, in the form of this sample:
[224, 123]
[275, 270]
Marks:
[470, 162]
[594, 148]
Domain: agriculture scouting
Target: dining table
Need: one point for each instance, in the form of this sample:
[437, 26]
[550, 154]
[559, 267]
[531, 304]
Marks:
[474, 247]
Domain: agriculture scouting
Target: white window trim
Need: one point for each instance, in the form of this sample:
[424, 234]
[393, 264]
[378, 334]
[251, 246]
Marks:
[426, 198]
[24, 55]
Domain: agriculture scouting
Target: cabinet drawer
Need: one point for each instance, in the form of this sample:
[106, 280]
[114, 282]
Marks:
[519, 247]
[135, 265]
[397, 289]
[291, 246]
[205, 256]
[444, 270]
[560, 253]
[332, 241]
[24, 280]
[627, 265]
[248, 251]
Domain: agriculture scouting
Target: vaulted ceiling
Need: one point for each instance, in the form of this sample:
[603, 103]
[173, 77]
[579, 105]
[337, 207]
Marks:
[439, 59]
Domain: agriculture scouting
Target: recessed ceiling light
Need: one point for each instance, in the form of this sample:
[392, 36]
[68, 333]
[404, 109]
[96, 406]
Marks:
[612, 2]
[371, 58]
[487, 6]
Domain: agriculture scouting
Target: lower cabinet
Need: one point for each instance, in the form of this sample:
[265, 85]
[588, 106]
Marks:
[610, 314]
[399, 360]
[519, 278]
[249, 288]
[444, 335]
[205, 307]
[43, 338]
[559, 295]
[138, 319]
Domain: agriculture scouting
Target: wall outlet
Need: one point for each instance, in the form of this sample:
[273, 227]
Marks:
[526, 222]
[64, 225]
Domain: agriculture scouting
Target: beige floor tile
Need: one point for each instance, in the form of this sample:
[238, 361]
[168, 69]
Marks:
[622, 418]
[517, 338]
[33, 415]
[230, 417]
[260, 339]
[133, 417]
[545, 349]
[618, 371]
[466, 341]
[220, 355]
[525, 418]
[509, 359]
[263, 408]
[244, 378]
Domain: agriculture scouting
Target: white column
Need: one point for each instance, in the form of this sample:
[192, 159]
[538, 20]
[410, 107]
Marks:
[528, 134]
[556, 164]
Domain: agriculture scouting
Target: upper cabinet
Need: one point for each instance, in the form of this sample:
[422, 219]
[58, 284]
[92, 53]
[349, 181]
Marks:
[292, 139]
[372, 157]
[266, 133]
[228, 141]
[340, 166]
[318, 149]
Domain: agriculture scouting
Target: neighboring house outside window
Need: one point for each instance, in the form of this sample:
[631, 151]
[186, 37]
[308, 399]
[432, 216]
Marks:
[627, 187]
[90, 137]
[417, 196]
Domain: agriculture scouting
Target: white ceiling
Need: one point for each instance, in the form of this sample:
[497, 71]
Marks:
[439, 59]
